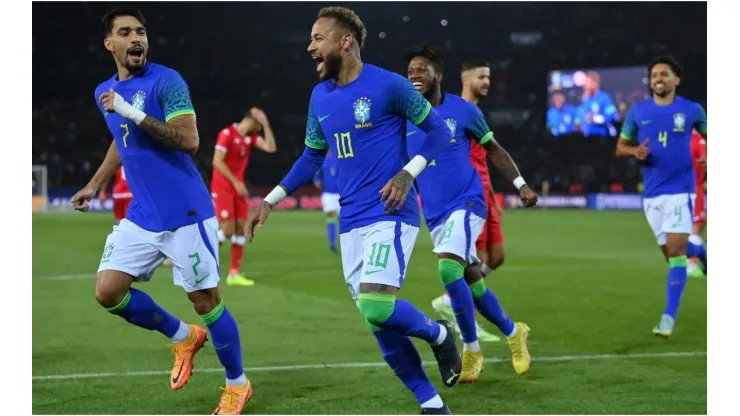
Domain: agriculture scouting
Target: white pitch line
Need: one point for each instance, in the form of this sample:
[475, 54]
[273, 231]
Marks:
[552, 359]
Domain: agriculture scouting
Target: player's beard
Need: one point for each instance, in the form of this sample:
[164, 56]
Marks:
[662, 94]
[431, 88]
[332, 66]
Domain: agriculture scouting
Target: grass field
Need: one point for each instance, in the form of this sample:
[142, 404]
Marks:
[589, 284]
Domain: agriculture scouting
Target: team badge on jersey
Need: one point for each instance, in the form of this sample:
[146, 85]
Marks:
[679, 120]
[137, 101]
[362, 112]
[452, 124]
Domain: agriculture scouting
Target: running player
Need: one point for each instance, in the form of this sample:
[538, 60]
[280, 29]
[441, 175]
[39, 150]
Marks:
[359, 111]
[455, 208]
[325, 181]
[148, 111]
[476, 78]
[657, 132]
[233, 148]
[121, 195]
[699, 157]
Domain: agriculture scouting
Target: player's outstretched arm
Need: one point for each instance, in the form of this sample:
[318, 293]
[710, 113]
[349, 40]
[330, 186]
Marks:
[112, 162]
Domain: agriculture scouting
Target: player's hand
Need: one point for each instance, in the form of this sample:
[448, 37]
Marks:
[241, 190]
[108, 99]
[259, 115]
[258, 219]
[395, 191]
[642, 152]
[81, 200]
[529, 198]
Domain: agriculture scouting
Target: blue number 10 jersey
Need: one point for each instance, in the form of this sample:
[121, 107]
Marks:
[669, 169]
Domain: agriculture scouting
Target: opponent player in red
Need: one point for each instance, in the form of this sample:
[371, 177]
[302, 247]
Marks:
[230, 160]
[121, 195]
[476, 79]
[699, 156]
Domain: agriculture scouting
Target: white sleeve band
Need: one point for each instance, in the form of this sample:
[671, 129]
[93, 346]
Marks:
[276, 196]
[416, 165]
[519, 182]
[127, 111]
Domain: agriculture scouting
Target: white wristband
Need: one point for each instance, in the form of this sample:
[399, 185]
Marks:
[519, 182]
[416, 165]
[127, 111]
[276, 196]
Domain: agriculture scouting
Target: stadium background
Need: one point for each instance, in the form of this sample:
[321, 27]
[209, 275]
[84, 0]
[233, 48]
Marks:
[590, 283]
[239, 55]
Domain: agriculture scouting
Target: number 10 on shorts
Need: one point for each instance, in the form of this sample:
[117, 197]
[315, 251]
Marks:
[379, 255]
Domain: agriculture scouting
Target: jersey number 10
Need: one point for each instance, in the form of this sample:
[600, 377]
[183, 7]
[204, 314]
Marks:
[344, 145]
[663, 138]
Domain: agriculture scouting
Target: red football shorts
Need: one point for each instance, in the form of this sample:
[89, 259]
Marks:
[120, 207]
[230, 206]
[492, 233]
[700, 207]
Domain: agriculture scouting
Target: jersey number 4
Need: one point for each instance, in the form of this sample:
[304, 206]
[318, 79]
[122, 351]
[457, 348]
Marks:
[124, 126]
[663, 138]
[344, 145]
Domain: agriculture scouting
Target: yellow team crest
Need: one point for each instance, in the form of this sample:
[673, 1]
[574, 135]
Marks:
[361, 109]
[679, 121]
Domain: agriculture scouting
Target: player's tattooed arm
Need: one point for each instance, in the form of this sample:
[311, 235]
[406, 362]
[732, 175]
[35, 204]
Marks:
[501, 160]
[180, 132]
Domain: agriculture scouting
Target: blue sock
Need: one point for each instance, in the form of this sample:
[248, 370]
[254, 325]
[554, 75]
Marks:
[225, 337]
[331, 231]
[675, 284]
[401, 355]
[384, 311]
[139, 309]
[464, 308]
[695, 250]
[488, 305]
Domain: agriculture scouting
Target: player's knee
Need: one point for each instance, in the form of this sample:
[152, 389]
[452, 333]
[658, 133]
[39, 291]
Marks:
[473, 274]
[450, 270]
[111, 289]
[239, 229]
[375, 311]
[204, 301]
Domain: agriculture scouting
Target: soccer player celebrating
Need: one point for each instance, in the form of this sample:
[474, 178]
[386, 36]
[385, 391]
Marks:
[121, 195]
[455, 209]
[325, 181]
[233, 148]
[148, 111]
[476, 78]
[359, 111]
[657, 132]
[699, 157]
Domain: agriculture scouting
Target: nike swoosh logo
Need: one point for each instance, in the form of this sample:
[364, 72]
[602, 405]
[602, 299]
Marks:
[452, 378]
[177, 377]
[410, 133]
[646, 122]
[323, 118]
[367, 272]
[197, 282]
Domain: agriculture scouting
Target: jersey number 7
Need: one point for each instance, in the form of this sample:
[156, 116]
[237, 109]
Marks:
[125, 135]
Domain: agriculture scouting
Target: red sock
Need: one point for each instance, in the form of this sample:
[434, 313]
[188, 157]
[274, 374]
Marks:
[237, 251]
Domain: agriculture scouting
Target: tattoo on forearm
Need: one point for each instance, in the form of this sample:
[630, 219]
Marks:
[502, 161]
[164, 133]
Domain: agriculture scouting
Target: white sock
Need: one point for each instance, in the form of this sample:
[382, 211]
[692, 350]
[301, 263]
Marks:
[433, 403]
[442, 335]
[513, 332]
[221, 236]
[239, 240]
[696, 239]
[471, 346]
[446, 300]
[485, 270]
[183, 332]
[239, 381]
[691, 267]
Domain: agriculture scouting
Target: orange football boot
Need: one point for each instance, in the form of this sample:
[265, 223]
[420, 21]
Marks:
[234, 399]
[184, 352]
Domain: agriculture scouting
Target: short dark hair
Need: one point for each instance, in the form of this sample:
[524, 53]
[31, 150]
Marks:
[348, 19]
[474, 63]
[109, 17]
[434, 54]
[676, 68]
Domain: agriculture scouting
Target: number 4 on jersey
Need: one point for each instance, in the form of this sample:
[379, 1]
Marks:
[663, 138]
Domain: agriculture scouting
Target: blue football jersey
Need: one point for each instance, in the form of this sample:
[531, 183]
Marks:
[562, 120]
[328, 174]
[364, 124]
[168, 189]
[669, 168]
[600, 105]
[450, 182]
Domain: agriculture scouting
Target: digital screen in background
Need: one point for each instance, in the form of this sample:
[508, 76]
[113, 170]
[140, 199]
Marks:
[592, 101]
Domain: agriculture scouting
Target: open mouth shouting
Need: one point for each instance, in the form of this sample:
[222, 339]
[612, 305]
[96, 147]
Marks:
[136, 54]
